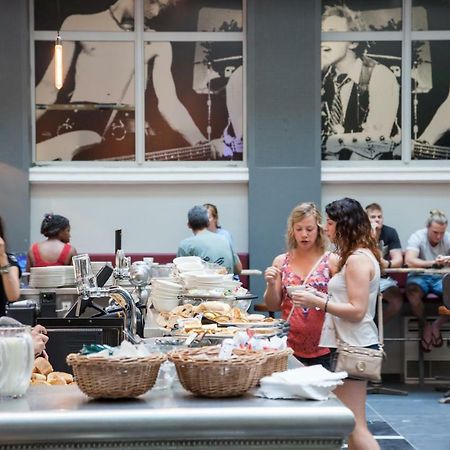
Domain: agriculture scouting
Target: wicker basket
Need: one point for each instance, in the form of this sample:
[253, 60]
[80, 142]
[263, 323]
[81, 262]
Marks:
[100, 377]
[201, 372]
[277, 361]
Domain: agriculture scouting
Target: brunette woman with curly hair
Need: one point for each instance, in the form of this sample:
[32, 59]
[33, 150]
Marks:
[351, 303]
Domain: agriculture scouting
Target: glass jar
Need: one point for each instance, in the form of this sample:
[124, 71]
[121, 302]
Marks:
[16, 360]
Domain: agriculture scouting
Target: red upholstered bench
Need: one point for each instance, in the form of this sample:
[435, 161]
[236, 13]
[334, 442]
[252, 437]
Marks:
[161, 258]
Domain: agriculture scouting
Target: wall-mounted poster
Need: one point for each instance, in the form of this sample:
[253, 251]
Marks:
[193, 90]
[430, 107]
[360, 89]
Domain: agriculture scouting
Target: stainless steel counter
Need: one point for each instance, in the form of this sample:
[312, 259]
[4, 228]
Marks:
[60, 417]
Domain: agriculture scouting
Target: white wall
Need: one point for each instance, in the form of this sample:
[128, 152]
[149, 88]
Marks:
[405, 205]
[153, 217]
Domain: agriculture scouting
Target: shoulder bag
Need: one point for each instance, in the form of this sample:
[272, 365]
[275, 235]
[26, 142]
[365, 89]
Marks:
[359, 362]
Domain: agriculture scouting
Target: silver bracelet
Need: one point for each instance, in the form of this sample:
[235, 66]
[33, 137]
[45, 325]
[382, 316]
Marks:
[326, 303]
[5, 269]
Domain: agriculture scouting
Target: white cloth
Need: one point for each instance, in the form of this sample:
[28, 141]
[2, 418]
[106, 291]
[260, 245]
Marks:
[363, 333]
[313, 383]
[419, 242]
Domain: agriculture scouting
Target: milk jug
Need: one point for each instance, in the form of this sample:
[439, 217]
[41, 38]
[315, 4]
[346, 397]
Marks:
[16, 360]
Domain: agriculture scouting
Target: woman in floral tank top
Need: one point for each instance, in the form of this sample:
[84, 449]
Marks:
[305, 263]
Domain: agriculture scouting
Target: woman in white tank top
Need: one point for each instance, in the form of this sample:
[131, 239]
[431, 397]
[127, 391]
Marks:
[351, 302]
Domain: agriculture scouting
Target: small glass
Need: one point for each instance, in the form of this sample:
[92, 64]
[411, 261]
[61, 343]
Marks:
[16, 360]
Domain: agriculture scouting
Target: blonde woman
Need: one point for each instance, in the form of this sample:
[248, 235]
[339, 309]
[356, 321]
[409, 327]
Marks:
[307, 263]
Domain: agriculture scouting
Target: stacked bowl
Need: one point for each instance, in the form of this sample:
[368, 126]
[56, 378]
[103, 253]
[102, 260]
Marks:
[165, 294]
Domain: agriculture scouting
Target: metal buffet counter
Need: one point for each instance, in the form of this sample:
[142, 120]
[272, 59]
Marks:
[60, 417]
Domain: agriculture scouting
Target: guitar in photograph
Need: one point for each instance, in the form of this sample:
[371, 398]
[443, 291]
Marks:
[423, 150]
[367, 146]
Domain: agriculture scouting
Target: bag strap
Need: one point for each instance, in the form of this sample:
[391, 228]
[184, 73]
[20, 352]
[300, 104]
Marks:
[380, 319]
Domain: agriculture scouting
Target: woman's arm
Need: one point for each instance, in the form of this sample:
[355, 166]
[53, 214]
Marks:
[272, 275]
[10, 276]
[358, 273]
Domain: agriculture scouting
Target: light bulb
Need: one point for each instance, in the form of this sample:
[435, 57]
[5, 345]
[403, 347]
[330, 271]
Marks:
[58, 63]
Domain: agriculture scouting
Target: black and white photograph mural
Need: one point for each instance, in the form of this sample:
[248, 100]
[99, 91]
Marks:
[193, 89]
[360, 87]
[361, 82]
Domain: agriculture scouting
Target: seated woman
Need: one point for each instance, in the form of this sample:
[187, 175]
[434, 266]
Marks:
[56, 250]
[9, 275]
[306, 263]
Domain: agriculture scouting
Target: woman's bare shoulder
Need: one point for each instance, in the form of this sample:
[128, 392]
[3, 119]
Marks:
[279, 260]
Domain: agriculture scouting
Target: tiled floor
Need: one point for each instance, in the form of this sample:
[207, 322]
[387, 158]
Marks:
[414, 421]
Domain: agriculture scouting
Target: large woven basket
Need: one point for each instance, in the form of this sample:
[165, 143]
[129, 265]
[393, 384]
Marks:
[277, 361]
[100, 377]
[201, 372]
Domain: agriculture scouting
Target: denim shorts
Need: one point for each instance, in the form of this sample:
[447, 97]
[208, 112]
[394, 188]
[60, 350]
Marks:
[324, 360]
[430, 284]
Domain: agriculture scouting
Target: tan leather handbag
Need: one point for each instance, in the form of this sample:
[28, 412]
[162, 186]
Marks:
[359, 362]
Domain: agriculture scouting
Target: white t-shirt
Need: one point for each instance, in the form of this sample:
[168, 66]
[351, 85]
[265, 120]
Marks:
[419, 242]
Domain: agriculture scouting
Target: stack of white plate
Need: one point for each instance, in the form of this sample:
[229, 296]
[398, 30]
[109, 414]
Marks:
[165, 294]
[52, 276]
[188, 264]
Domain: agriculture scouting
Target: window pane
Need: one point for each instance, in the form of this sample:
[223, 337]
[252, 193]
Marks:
[361, 15]
[193, 15]
[431, 15]
[198, 101]
[430, 100]
[92, 116]
[76, 15]
[360, 100]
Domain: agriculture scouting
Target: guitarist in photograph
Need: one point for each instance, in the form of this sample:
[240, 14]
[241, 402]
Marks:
[360, 97]
[98, 83]
[425, 147]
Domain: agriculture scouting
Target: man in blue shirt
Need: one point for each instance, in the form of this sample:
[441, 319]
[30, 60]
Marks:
[209, 246]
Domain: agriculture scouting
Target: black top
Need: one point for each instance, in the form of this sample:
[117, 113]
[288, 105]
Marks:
[13, 261]
[389, 240]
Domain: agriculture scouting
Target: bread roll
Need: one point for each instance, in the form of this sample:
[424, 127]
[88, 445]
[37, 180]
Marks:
[214, 306]
[42, 365]
[68, 378]
[38, 376]
[34, 382]
[55, 378]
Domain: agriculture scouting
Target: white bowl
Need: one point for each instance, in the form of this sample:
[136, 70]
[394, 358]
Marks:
[294, 288]
[164, 304]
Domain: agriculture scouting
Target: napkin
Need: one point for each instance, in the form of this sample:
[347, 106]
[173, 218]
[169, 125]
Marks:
[309, 383]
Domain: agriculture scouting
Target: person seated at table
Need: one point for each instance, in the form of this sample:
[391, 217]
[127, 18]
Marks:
[209, 246]
[391, 257]
[306, 263]
[426, 249]
[10, 274]
[55, 250]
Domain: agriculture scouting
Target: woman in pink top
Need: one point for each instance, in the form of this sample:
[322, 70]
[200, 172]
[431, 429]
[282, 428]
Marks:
[305, 263]
[56, 250]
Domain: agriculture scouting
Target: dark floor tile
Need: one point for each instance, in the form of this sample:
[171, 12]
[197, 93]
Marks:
[380, 428]
[395, 444]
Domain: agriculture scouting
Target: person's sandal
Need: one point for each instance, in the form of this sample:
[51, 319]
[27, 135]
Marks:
[426, 345]
[437, 341]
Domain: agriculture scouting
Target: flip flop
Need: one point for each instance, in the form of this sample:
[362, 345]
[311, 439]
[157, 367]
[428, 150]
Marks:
[437, 341]
[426, 345]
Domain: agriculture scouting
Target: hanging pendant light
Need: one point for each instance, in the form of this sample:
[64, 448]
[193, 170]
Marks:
[58, 62]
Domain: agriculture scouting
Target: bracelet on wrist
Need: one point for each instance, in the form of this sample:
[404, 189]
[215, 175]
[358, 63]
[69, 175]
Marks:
[325, 308]
[5, 269]
[389, 264]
